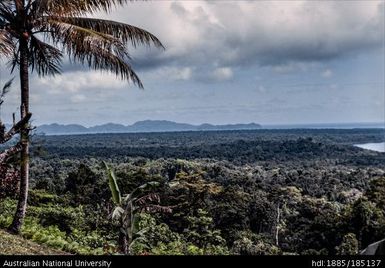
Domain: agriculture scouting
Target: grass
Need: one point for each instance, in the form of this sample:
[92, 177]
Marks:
[16, 245]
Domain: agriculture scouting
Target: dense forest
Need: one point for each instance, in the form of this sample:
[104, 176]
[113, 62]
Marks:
[257, 192]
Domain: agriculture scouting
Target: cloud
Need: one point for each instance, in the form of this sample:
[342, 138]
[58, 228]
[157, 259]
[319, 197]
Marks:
[76, 81]
[327, 73]
[293, 67]
[230, 61]
[172, 73]
[244, 33]
[222, 74]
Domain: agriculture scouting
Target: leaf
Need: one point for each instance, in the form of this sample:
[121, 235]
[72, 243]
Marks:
[5, 90]
[149, 184]
[123, 32]
[142, 232]
[143, 242]
[71, 7]
[7, 86]
[117, 213]
[144, 187]
[174, 184]
[124, 231]
[127, 198]
[6, 45]
[112, 181]
[46, 59]
[135, 223]
[94, 49]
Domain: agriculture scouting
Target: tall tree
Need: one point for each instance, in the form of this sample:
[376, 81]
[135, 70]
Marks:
[38, 33]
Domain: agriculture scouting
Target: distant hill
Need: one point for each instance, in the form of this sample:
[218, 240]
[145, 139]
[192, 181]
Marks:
[107, 128]
[141, 126]
[160, 126]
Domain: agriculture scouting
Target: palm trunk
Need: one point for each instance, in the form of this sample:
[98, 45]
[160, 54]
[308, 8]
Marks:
[24, 140]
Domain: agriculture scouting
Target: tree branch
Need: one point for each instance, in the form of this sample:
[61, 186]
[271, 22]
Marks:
[15, 129]
[10, 152]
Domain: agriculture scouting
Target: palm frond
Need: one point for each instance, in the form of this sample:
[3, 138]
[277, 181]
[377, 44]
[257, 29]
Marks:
[45, 59]
[7, 4]
[76, 7]
[96, 50]
[5, 90]
[61, 31]
[124, 32]
[56, 27]
[6, 44]
[7, 16]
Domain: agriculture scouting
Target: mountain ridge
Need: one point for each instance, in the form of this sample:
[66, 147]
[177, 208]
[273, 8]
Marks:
[140, 126]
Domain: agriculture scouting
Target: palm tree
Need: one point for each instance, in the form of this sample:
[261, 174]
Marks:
[38, 33]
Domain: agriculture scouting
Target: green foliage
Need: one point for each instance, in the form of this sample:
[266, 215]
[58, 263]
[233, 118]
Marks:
[127, 208]
[376, 192]
[229, 192]
[200, 231]
[251, 244]
[152, 237]
[16, 245]
[57, 227]
[158, 239]
[113, 184]
[349, 245]
[367, 222]
[39, 197]
[83, 187]
[66, 219]
[314, 252]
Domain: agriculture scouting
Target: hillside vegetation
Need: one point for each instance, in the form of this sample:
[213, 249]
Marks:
[16, 245]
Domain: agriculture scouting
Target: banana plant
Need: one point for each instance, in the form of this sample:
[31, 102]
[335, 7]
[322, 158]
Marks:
[129, 206]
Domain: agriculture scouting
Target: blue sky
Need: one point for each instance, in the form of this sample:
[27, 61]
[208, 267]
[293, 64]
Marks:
[269, 62]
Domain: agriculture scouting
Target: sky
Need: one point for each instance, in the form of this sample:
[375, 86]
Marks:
[268, 62]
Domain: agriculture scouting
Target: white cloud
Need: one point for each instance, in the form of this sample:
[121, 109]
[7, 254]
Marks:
[327, 73]
[222, 74]
[240, 33]
[293, 67]
[74, 82]
[269, 50]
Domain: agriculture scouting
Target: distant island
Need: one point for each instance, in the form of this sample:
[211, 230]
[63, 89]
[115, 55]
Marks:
[141, 126]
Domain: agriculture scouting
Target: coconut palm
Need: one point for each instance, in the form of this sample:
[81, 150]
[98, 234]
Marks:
[38, 33]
